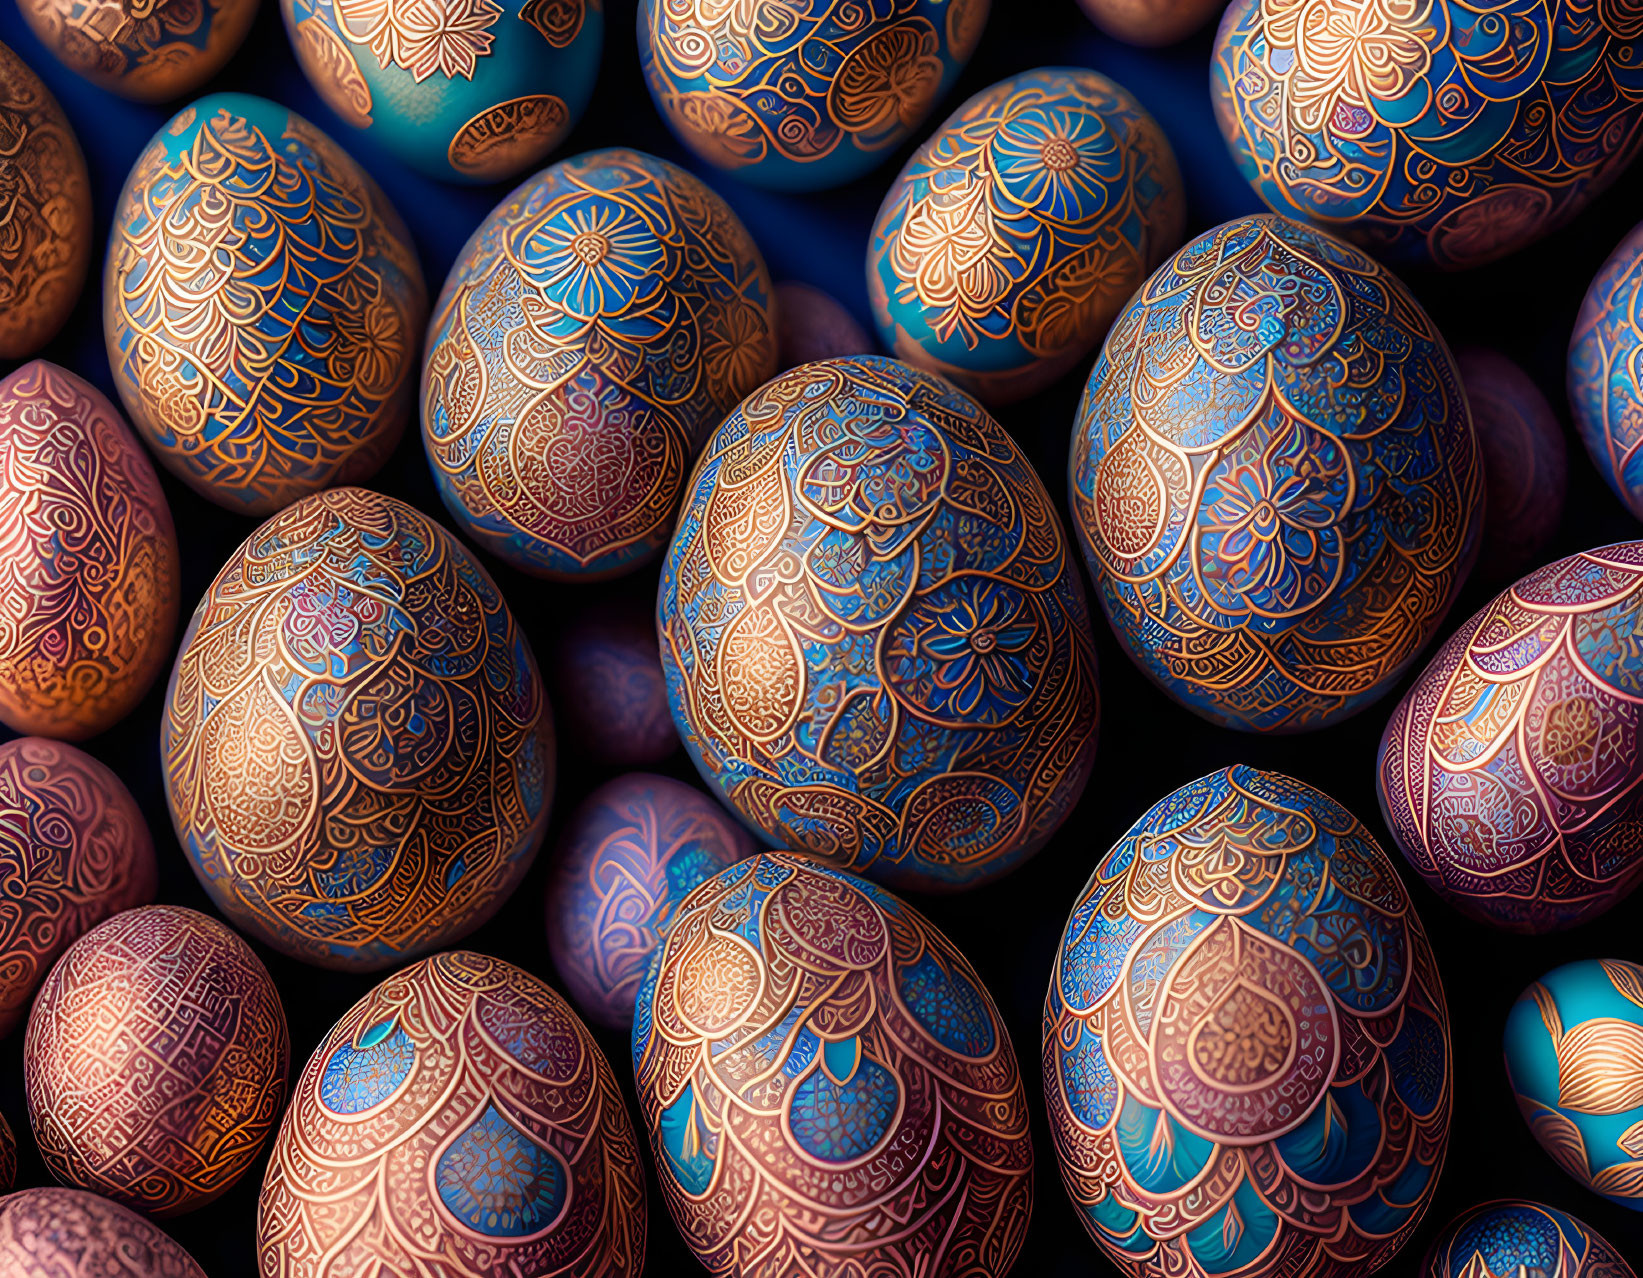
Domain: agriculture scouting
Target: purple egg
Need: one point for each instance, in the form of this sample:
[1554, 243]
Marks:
[609, 694]
[811, 325]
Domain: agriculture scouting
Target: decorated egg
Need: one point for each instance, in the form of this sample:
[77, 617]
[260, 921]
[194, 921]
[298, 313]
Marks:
[148, 50]
[8, 1169]
[358, 752]
[1509, 773]
[802, 96]
[156, 1060]
[74, 849]
[876, 641]
[68, 1233]
[827, 1084]
[1605, 392]
[45, 237]
[1149, 22]
[457, 1119]
[464, 90]
[1244, 985]
[812, 325]
[1525, 464]
[632, 852]
[1574, 1058]
[262, 306]
[1517, 1239]
[88, 558]
[1274, 477]
[1021, 226]
[609, 695]
[597, 325]
[1433, 134]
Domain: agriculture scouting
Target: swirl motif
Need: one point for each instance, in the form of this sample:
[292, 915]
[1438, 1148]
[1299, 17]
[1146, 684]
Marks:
[156, 1060]
[877, 647]
[68, 1233]
[358, 752]
[824, 1076]
[1431, 132]
[1017, 231]
[1510, 772]
[598, 324]
[261, 306]
[457, 1120]
[1512, 1238]
[1605, 372]
[1247, 1058]
[146, 50]
[1275, 478]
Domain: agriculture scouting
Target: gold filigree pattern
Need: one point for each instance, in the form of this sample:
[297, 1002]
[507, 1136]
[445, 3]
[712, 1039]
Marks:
[504, 138]
[146, 50]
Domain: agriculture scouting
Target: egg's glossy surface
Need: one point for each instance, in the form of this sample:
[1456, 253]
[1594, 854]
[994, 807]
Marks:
[464, 90]
[609, 694]
[88, 558]
[876, 641]
[1513, 1238]
[1019, 229]
[1509, 773]
[825, 1078]
[1244, 985]
[358, 752]
[812, 325]
[629, 855]
[146, 50]
[262, 306]
[1150, 22]
[457, 1120]
[1605, 377]
[1574, 1058]
[156, 1060]
[603, 318]
[68, 1233]
[1275, 478]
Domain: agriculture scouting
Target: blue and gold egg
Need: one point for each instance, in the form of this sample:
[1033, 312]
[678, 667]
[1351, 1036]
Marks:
[1605, 375]
[876, 642]
[1019, 228]
[1513, 1238]
[463, 90]
[1574, 1057]
[150, 51]
[1275, 478]
[1245, 999]
[802, 96]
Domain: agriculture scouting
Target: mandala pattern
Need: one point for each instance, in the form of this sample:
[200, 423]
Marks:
[812, 325]
[358, 752]
[156, 1060]
[68, 1233]
[1150, 22]
[1510, 773]
[876, 642]
[1017, 231]
[458, 1120]
[825, 1078]
[609, 693]
[599, 323]
[147, 50]
[1606, 372]
[1247, 1059]
[1574, 1057]
[1432, 132]
[453, 87]
[73, 850]
[804, 93]
[261, 306]
[1517, 1239]
[633, 851]
[45, 212]
[88, 559]
[1274, 477]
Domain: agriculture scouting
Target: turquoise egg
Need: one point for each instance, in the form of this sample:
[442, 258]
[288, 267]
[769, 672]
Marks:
[464, 90]
[1518, 1239]
[1574, 1057]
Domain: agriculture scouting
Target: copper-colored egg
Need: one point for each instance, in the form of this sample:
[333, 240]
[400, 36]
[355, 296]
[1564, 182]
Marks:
[811, 325]
[1150, 22]
[45, 212]
[88, 558]
[68, 1233]
[156, 1060]
[609, 695]
[145, 50]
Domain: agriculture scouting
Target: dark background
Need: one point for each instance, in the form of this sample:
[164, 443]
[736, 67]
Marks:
[1525, 307]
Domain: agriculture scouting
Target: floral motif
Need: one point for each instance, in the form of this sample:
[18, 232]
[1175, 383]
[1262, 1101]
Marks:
[968, 643]
[595, 259]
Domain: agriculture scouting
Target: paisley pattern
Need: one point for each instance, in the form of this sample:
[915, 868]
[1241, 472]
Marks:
[1510, 772]
[603, 318]
[88, 559]
[1517, 1239]
[458, 1120]
[261, 306]
[146, 50]
[1247, 1059]
[1574, 1058]
[1020, 228]
[156, 1060]
[1274, 477]
[876, 644]
[609, 693]
[358, 752]
[1606, 372]
[68, 1233]
[802, 94]
[1431, 132]
[825, 1077]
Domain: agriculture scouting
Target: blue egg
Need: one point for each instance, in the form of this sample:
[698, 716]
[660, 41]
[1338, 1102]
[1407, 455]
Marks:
[1513, 1238]
[464, 90]
[1605, 389]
